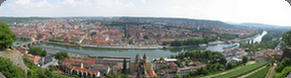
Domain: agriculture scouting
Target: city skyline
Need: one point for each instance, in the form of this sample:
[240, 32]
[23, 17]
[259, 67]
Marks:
[234, 11]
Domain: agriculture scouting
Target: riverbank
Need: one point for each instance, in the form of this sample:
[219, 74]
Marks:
[109, 46]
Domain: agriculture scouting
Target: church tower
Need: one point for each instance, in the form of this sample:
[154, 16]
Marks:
[145, 58]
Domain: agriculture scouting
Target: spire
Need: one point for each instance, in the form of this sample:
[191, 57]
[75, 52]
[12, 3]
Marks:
[144, 56]
[137, 58]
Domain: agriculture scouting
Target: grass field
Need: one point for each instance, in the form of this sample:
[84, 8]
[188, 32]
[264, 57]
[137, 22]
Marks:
[261, 73]
[241, 71]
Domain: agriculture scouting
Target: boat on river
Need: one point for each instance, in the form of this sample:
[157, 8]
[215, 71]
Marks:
[230, 46]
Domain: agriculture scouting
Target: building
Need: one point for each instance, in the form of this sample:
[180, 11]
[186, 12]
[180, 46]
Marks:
[35, 59]
[140, 68]
[87, 67]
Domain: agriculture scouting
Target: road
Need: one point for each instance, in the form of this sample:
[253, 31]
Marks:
[55, 61]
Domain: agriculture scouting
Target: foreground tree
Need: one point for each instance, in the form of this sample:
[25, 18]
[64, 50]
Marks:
[7, 37]
[287, 38]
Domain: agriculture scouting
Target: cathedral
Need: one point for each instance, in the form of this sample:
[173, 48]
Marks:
[140, 68]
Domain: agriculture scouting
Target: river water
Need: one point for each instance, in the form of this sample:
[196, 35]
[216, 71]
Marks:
[258, 39]
[153, 53]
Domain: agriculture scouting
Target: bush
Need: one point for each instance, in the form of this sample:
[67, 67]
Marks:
[245, 59]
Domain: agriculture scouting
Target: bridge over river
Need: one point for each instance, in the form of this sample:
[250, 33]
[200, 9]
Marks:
[28, 44]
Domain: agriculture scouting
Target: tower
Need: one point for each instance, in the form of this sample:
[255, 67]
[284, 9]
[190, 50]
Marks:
[82, 66]
[137, 58]
[145, 58]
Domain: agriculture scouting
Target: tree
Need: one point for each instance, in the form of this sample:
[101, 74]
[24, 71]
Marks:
[37, 51]
[272, 61]
[162, 58]
[124, 70]
[285, 62]
[7, 37]
[61, 55]
[245, 59]
[287, 38]
[145, 37]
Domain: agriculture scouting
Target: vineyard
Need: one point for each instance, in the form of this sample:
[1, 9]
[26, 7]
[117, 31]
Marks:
[260, 74]
[243, 70]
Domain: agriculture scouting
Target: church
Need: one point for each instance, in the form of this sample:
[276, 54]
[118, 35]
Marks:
[140, 68]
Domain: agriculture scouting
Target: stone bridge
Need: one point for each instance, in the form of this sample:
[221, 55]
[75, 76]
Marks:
[28, 44]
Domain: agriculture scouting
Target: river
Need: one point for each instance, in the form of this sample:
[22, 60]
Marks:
[153, 53]
[258, 39]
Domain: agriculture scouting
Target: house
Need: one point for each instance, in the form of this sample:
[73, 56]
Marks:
[34, 58]
[234, 59]
[87, 67]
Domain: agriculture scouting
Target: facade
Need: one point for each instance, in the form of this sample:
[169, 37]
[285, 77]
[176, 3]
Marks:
[88, 67]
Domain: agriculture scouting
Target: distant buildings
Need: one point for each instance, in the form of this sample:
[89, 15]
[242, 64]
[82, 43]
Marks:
[119, 31]
[234, 55]
[170, 68]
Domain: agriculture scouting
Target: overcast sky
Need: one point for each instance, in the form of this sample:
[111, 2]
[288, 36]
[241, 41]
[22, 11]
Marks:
[276, 12]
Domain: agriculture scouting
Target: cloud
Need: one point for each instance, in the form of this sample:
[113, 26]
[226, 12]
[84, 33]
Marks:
[143, 1]
[23, 2]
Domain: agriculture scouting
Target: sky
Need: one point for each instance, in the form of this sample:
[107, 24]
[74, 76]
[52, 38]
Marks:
[277, 12]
